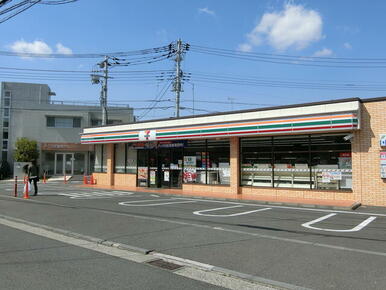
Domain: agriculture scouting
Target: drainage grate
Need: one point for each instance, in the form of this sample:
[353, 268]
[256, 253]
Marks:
[164, 265]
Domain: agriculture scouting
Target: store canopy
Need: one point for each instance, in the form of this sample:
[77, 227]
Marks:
[299, 119]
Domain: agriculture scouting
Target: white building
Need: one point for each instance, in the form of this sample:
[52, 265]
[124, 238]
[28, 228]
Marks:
[26, 110]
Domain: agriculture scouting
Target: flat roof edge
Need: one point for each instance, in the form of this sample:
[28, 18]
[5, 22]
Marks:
[243, 111]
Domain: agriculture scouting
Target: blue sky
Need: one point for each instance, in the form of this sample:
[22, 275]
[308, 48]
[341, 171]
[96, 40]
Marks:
[332, 29]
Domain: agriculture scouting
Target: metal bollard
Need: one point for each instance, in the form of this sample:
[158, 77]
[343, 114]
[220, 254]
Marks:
[15, 187]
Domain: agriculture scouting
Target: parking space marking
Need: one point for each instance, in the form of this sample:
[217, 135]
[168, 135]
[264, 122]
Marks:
[354, 229]
[202, 212]
[164, 201]
[96, 194]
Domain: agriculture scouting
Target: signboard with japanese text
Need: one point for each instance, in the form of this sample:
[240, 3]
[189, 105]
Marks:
[383, 164]
[382, 139]
[190, 161]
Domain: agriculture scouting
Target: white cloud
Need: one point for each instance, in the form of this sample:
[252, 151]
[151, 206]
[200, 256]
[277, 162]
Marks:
[293, 27]
[347, 45]
[245, 47]
[60, 48]
[206, 11]
[323, 52]
[36, 46]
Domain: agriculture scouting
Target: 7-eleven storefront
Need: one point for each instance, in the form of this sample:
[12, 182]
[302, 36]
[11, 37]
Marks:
[329, 150]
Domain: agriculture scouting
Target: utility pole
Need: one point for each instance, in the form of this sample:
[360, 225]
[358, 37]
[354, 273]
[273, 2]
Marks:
[178, 79]
[104, 90]
[95, 79]
[231, 101]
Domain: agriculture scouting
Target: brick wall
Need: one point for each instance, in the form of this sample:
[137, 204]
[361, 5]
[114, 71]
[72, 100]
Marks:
[101, 178]
[368, 186]
[125, 179]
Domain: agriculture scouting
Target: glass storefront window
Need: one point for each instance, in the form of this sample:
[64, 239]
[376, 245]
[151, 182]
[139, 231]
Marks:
[331, 162]
[104, 158]
[120, 157]
[195, 162]
[218, 168]
[100, 164]
[142, 169]
[79, 163]
[256, 161]
[320, 161]
[291, 161]
[131, 160]
[48, 162]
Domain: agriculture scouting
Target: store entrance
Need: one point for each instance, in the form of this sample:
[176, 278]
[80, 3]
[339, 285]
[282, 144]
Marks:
[160, 168]
[64, 164]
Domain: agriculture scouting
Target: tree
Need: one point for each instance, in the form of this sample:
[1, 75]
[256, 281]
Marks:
[26, 150]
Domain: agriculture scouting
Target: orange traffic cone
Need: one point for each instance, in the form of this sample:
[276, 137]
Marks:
[26, 188]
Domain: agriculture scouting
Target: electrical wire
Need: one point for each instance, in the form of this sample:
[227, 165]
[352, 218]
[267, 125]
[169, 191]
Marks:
[158, 98]
[154, 50]
[256, 81]
[293, 60]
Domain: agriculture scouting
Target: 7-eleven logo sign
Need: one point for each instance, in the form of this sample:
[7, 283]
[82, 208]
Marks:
[147, 135]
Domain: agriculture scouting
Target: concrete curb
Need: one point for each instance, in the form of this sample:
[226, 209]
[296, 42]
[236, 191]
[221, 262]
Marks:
[80, 236]
[354, 206]
[151, 253]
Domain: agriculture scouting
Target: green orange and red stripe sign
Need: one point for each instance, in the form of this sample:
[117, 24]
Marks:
[346, 121]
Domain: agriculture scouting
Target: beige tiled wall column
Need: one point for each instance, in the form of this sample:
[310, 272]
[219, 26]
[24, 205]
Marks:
[235, 164]
[368, 186]
[110, 163]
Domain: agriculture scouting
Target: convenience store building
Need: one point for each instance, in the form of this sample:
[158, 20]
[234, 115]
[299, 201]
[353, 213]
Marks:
[333, 150]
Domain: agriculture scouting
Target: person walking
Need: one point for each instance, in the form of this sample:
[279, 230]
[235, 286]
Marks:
[33, 175]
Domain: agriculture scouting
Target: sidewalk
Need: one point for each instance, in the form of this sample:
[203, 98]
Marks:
[311, 203]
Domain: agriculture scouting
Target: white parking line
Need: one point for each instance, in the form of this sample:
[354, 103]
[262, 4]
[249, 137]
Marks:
[159, 202]
[201, 212]
[97, 194]
[354, 229]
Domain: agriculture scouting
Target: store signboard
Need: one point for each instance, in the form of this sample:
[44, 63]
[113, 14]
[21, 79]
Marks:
[190, 174]
[190, 161]
[328, 176]
[154, 145]
[383, 164]
[171, 144]
[147, 135]
[383, 140]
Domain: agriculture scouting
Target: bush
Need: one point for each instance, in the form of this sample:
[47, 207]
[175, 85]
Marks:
[26, 150]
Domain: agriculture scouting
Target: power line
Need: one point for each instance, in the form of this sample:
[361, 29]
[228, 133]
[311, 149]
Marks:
[20, 7]
[293, 60]
[256, 81]
[154, 50]
[158, 98]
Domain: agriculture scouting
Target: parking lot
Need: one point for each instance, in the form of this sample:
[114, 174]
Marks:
[308, 247]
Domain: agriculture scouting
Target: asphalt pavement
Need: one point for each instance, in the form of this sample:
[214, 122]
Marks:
[32, 262]
[311, 248]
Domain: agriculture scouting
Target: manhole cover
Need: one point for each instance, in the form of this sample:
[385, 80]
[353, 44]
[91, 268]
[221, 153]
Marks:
[164, 265]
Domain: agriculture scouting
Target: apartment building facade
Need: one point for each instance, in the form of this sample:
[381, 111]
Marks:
[27, 110]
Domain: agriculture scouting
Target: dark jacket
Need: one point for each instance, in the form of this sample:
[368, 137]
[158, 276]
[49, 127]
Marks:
[33, 171]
